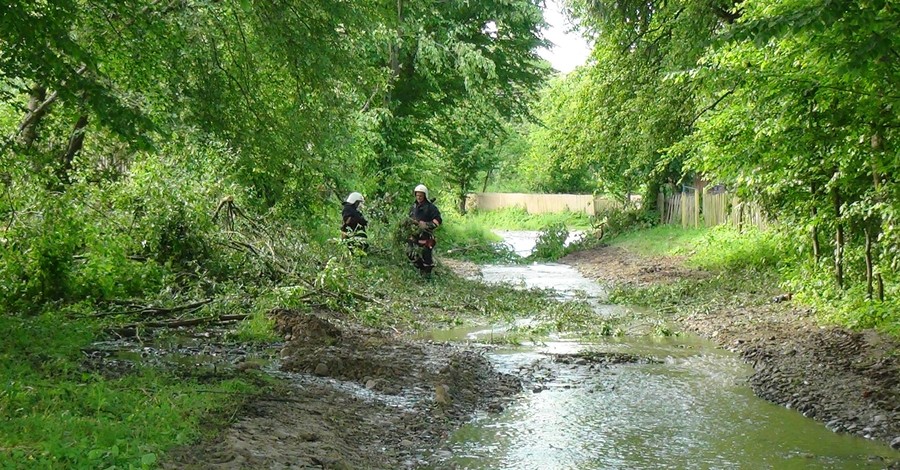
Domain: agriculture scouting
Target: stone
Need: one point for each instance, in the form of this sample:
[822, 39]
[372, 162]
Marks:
[321, 369]
[371, 383]
[895, 444]
[442, 394]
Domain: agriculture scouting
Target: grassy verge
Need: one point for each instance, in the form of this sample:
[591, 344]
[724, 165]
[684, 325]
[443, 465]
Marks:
[55, 414]
[746, 269]
[519, 219]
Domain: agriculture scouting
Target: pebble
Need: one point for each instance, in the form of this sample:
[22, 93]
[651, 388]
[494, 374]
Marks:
[895, 444]
[321, 369]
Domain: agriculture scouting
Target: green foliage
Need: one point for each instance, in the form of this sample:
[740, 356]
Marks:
[444, 59]
[259, 328]
[720, 248]
[661, 240]
[616, 221]
[469, 238]
[551, 243]
[552, 164]
[723, 248]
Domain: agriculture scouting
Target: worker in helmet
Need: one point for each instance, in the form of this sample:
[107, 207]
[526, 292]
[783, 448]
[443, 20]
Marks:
[426, 217]
[353, 228]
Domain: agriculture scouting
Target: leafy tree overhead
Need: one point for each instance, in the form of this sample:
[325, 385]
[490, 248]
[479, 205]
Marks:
[806, 123]
[442, 54]
[466, 139]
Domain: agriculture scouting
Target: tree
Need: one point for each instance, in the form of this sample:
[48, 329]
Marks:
[803, 123]
[441, 54]
[467, 138]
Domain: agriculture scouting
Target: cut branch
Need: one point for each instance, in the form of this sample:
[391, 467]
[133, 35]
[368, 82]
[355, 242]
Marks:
[157, 311]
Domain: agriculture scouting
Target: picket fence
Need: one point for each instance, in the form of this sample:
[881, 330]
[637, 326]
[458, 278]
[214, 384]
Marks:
[693, 208]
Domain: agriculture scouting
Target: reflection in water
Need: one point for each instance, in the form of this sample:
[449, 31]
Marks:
[523, 241]
[692, 409]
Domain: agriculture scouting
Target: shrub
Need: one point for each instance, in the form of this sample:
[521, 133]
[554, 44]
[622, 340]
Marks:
[551, 243]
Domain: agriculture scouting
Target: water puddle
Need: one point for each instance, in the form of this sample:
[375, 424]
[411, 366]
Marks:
[683, 403]
[186, 349]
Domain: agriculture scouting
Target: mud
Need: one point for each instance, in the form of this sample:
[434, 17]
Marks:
[849, 380]
[355, 398]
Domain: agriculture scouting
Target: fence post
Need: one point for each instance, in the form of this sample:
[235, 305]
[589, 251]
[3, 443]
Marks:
[661, 207]
[683, 210]
[697, 207]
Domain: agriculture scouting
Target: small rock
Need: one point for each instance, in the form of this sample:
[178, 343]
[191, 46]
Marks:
[406, 443]
[442, 394]
[895, 444]
[243, 366]
[321, 369]
[537, 389]
[371, 383]
[288, 337]
[781, 298]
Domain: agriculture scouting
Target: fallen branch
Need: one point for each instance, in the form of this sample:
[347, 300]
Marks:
[131, 329]
[157, 311]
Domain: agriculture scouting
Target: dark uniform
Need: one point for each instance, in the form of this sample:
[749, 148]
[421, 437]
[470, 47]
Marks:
[420, 245]
[354, 226]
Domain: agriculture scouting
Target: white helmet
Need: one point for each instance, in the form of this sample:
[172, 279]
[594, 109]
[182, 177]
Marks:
[353, 198]
[421, 189]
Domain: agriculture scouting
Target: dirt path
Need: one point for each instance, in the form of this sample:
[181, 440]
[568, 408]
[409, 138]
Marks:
[849, 380]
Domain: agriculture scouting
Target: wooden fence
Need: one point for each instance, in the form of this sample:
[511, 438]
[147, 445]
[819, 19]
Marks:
[690, 208]
[541, 203]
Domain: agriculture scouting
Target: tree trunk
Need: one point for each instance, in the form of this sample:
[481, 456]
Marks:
[868, 262]
[487, 177]
[814, 231]
[838, 240]
[38, 106]
[76, 142]
[462, 203]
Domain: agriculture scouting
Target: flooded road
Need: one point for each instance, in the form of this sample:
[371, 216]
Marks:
[687, 406]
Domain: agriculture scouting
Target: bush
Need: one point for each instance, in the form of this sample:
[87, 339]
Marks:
[551, 243]
[37, 257]
[616, 221]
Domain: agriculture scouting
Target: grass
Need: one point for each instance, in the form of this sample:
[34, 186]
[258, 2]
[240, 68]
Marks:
[519, 219]
[748, 268]
[714, 249]
[57, 414]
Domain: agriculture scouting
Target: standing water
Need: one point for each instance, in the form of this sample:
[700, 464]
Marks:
[686, 406]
